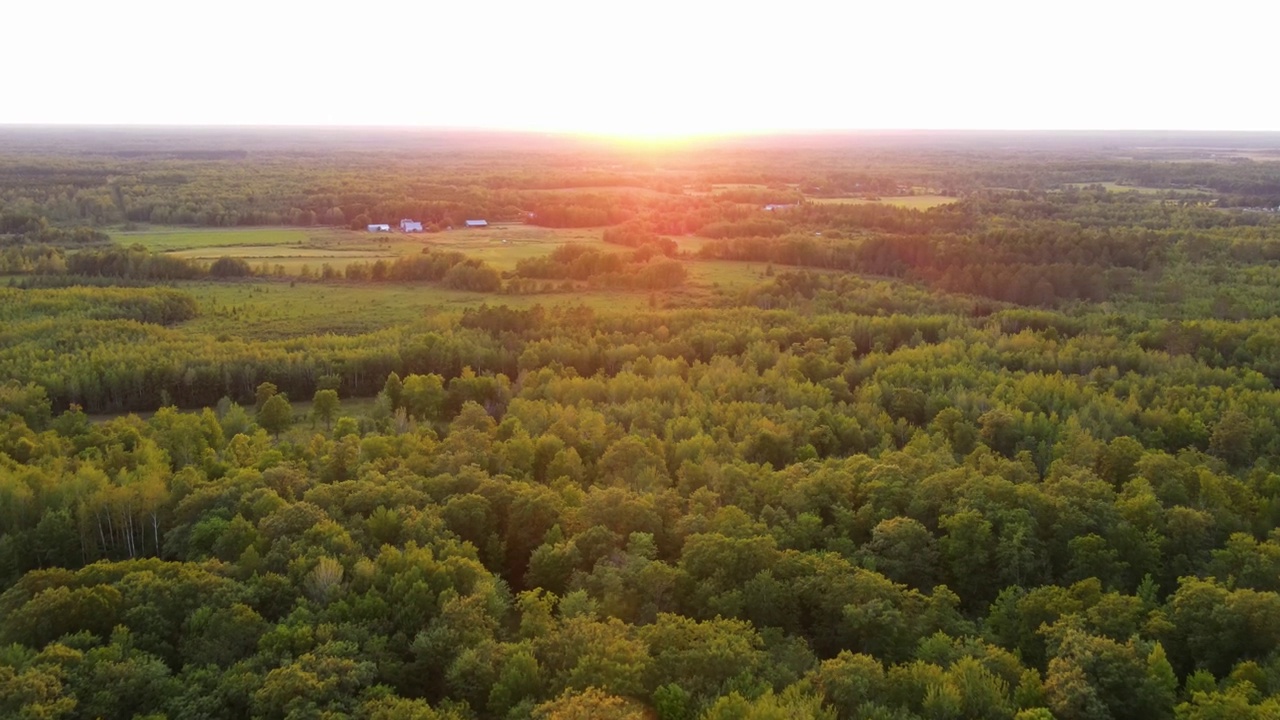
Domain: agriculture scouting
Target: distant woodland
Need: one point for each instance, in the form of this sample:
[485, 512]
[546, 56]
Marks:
[1016, 455]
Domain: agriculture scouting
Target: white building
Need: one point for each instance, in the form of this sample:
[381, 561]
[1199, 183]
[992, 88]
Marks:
[477, 223]
[409, 226]
[380, 228]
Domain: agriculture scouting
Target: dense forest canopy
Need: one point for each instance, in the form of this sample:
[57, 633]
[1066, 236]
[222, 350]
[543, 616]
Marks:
[984, 427]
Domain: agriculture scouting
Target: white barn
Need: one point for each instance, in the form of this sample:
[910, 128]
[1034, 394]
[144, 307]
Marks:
[380, 228]
[407, 225]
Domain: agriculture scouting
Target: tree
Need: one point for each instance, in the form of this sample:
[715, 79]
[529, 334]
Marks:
[276, 415]
[325, 405]
[1232, 438]
[393, 388]
[423, 396]
[590, 704]
[227, 266]
[904, 551]
[263, 393]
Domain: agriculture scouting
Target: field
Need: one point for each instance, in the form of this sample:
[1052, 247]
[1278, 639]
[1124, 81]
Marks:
[277, 308]
[914, 202]
[500, 245]
[1117, 187]
[503, 245]
[167, 239]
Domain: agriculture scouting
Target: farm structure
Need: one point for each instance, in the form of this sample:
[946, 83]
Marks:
[410, 226]
[477, 223]
[383, 227]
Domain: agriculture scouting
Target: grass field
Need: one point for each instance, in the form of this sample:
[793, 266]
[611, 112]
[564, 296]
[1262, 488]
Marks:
[725, 274]
[279, 309]
[501, 245]
[168, 239]
[1117, 187]
[915, 202]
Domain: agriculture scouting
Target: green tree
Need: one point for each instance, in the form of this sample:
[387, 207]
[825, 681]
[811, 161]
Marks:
[393, 388]
[264, 392]
[276, 414]
[325, 406]
[1232, 438]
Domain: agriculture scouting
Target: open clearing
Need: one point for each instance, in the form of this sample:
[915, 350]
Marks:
[914, 202]
[266, 309]
[1117, 187]
[167, 239]
[501, 244]
[725, 274]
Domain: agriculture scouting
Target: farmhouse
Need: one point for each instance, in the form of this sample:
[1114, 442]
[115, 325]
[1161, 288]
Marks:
[477, 223]
[409, 226]
[380, 228]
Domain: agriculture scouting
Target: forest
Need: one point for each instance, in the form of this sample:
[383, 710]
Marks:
[769, 446]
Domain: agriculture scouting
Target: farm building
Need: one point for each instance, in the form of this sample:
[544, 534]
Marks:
[477, 223]
[409, 226]
[380, 228]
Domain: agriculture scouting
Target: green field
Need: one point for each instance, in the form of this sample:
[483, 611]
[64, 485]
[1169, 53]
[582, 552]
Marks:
[274, 308]
[166, 239]
[501, 245]
[914, 202]
[279, 308]
[1117, 187]
[725, 274]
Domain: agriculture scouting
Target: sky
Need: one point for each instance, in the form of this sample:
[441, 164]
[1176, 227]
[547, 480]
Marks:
[655, 68]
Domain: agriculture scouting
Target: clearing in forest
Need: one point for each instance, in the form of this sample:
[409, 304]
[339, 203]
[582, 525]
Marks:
[914, 202]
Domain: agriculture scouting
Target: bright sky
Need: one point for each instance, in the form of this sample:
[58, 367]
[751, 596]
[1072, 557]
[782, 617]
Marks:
[650, 67]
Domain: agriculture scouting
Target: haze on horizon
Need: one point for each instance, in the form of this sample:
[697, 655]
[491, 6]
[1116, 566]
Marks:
[653, 69]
